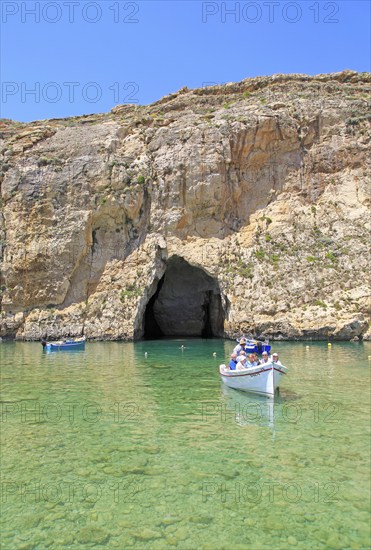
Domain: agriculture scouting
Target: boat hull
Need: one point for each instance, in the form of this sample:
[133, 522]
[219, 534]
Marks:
[263, 379]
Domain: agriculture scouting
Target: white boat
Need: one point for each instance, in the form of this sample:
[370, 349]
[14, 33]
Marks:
[262, 379]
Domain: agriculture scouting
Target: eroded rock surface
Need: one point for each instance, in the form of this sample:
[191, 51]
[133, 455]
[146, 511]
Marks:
[261, 185]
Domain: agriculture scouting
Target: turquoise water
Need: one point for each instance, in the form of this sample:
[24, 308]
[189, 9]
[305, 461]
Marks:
[108, 448]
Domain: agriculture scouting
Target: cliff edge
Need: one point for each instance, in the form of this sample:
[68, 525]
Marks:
[241, 208]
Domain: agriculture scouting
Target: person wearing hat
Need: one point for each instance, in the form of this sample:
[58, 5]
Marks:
[275, 359]
[240, 347]
[241, 365]
[265, 358]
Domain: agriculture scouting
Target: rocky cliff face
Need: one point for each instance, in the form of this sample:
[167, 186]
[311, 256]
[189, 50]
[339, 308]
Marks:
[224, 210]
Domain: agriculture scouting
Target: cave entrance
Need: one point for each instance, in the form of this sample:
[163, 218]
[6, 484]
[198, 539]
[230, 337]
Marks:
[187, 302]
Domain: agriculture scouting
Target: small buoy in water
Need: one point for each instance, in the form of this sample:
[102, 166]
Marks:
[214, 354]
[145, 354]
[329, 345]
[306, 347]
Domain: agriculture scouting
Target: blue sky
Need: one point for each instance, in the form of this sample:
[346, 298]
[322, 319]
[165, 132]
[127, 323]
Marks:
[69, 57]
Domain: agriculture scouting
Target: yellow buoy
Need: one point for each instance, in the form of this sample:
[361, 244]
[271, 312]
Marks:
[329, 345]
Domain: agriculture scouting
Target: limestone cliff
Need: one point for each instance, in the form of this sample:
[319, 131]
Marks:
[218, 211]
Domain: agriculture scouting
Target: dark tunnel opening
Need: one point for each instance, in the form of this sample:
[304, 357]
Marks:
[186, 303]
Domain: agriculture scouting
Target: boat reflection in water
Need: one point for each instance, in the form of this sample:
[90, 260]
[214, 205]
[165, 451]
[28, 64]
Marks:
[248, 409]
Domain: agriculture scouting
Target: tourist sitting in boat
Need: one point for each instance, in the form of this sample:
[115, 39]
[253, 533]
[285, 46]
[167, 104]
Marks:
[257, 360]
[233, 362]
[251, 360]
[275, 359]
[240, 347]
[241, 354]
[241, 365]
[265, 357]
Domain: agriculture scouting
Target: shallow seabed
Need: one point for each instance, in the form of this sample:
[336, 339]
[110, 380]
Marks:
[112, 448]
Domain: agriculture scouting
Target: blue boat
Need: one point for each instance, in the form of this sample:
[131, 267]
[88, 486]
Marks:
[255, 346]
[64, 345]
